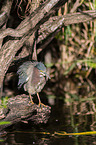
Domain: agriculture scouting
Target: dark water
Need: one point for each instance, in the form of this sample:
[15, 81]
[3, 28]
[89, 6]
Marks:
[63, 118]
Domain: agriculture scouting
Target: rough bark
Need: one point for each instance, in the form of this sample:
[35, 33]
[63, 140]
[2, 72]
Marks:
[55, 23]
[19, 109]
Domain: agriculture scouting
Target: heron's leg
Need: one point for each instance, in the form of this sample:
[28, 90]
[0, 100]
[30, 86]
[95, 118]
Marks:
[31, 99]
[40, 100]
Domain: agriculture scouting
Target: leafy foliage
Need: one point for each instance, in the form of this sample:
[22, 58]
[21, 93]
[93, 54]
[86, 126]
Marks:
[4, 102]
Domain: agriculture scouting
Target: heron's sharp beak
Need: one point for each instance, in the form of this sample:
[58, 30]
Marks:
[47, 75]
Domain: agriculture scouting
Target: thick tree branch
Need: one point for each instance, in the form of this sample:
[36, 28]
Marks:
[5, 11]
[19, 109]
[52, 24]
[57, 22]
[4, 15]
[30, 22]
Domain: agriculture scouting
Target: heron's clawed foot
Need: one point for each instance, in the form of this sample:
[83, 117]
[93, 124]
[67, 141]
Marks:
[42, 105]
[31, 102]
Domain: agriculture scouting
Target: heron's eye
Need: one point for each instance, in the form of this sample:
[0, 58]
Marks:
[41, 71]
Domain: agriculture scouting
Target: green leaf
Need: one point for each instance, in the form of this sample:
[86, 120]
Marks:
[70, 68]
[49, 64]
[1, 140]
[91, 64]
[4, 122]
[4, 101]
[51, 96]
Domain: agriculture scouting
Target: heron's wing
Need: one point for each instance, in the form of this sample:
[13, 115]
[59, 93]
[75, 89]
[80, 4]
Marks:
[24, 72]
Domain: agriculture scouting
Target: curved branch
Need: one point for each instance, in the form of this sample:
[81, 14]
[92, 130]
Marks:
[51, 25]
[57, 22]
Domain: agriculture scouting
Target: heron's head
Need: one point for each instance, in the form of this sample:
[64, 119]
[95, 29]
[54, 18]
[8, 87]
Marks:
[41, 67]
